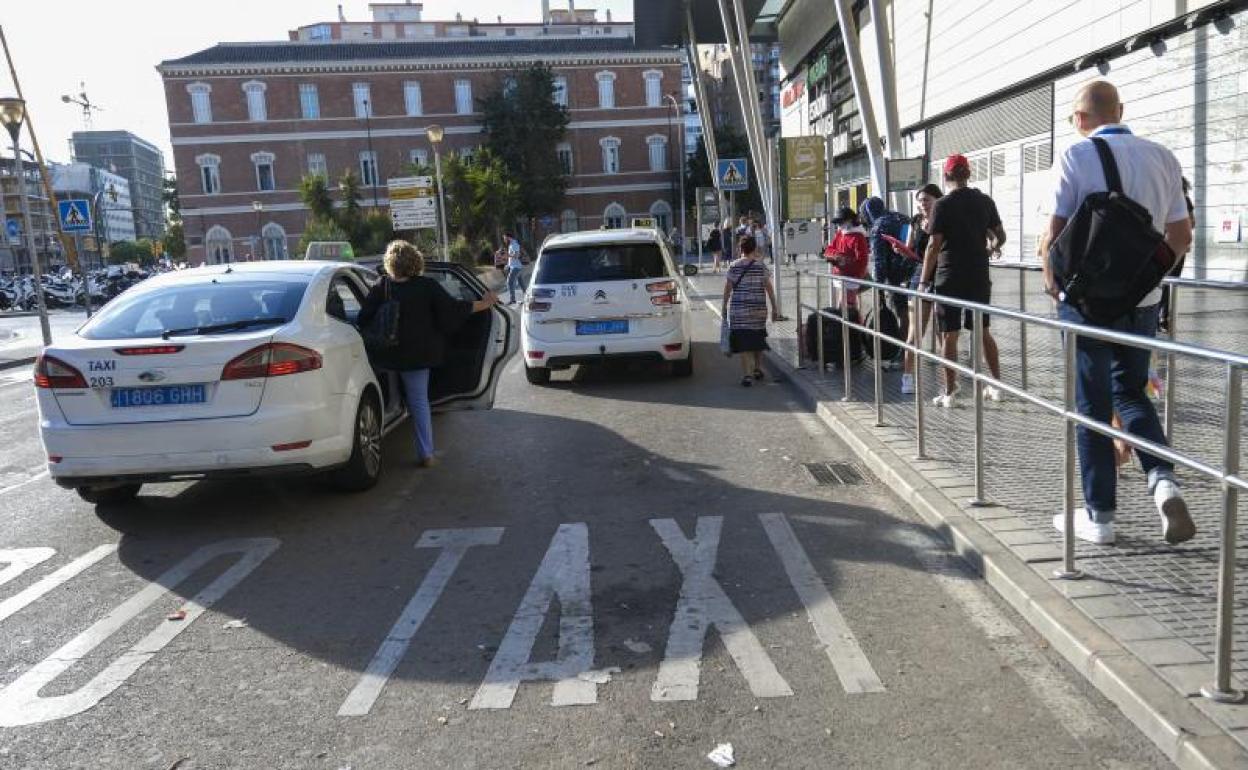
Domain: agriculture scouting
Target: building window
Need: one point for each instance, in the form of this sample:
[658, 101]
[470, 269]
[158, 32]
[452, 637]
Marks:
[654, 88]
[658, 152]
[368, 168]
[256, 108]
[317, 165]
[610, 155]
[606, 90]
[201, 102]
[418, 157]
[661, 211]
[509, 86]
[309, 101]
[320, 32]
[263, 162]
[467, 154]
[362, 96]
[463, 97]
[274, 238]
[564, 153]
[560, 93]
[219, 245]
[567, 221]
[613, 217]
[412, 98]
[209, 173]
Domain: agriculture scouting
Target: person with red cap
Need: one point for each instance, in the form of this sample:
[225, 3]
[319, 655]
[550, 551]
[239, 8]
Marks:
[965, 228]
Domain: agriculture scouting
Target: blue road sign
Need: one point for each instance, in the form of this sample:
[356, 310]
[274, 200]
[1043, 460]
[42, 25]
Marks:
[732, 174]
[13, 229]
[75, 215]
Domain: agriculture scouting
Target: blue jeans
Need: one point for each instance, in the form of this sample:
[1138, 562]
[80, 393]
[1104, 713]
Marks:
[416, 393]
[513, 282]
[1112, 378]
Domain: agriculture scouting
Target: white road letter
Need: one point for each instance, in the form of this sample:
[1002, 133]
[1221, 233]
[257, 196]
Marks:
[454, 544]
[704, 604]
[564, 573]
[20, 703]
[48, 582]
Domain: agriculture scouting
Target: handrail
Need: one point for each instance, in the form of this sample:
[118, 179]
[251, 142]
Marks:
[1171, 280]
[1229, 475]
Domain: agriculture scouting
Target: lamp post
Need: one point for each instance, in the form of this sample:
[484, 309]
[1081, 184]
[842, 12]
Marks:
[372, 157]
[12, 115]
[684, 234]
[435, 134]
[258, 207]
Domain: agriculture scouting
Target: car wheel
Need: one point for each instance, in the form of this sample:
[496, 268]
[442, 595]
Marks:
[684, 367]
[537, 375]
[114, 494]
[364, 468]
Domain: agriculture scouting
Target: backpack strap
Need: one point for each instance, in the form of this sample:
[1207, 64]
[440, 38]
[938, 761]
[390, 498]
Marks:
[1112, 180]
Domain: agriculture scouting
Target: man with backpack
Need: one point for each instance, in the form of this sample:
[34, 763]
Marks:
[887, 266]
[1147, 180]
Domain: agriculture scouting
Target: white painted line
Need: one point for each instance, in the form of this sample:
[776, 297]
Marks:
[701, 606]
[564, 573]
[20, 560]
[851, 663]
[49, 582]
[20, 484]
[20, 702]
[1077, 715]
[454, 544]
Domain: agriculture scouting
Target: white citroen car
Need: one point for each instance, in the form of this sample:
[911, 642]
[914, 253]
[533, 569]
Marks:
[241, 370]
[602, 295]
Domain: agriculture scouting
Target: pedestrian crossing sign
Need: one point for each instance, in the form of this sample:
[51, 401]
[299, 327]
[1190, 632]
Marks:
[75, 215]
[732, 174]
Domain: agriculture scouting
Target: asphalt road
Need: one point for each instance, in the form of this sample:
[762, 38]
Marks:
[655, 546]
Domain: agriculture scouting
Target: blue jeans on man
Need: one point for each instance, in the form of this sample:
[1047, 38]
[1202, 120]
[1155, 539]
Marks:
[1113, 378]
[513, 283]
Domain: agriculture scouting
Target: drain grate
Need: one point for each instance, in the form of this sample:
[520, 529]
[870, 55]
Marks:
[834, 474]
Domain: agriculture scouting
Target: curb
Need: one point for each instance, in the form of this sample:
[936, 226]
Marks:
[16, 363]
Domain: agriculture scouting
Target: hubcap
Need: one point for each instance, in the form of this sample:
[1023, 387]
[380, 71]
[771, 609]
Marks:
[370, 438]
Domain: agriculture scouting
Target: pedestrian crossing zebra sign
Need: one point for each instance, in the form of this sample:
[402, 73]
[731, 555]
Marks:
[75, 215]
[732, 174]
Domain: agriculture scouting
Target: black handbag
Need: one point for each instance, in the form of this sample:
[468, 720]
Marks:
[1109, 256]
[381, 333]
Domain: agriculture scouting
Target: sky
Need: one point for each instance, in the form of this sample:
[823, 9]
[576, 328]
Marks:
[115, 46]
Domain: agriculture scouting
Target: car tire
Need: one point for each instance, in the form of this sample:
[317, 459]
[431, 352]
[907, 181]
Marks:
[363, 470]
[683, 367]
[537, 375]
[114, 494]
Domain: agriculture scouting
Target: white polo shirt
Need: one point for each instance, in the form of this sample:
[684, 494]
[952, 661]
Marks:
[1151, 176]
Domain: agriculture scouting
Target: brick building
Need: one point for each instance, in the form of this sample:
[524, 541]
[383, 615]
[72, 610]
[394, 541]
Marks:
[249, 120]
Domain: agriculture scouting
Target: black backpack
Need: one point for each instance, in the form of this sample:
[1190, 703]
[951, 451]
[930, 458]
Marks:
[381, 333]
[1109, 256]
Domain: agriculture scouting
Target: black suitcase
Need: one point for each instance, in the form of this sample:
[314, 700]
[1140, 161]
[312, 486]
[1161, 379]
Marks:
[889, 328]
[833, 348]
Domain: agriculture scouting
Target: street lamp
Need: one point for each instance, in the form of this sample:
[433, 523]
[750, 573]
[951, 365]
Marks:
[684, 233]
[435, 134]
[372, 157]
[12, 115]
[258, 207]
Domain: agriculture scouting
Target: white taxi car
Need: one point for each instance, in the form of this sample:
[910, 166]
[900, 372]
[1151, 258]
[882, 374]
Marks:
[602, 295]
[240, 370]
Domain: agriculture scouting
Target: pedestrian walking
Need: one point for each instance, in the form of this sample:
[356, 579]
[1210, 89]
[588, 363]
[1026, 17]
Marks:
[715, 245]
[747, 294]
[887, 266]
[427, 314]
[515, 267]
[965, 229]
[848, 254]
[762, 237]
[1112, 377]
[913, 250]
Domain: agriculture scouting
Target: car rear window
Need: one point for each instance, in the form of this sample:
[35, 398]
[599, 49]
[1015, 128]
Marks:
[600, 262]
[152, 312]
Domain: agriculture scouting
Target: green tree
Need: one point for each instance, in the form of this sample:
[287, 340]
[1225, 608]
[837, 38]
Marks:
[699, 173]
[139, 252]
[523, 125]
[351, 216]
[169, 196]
[496, 196]
[175, 241]
[315, 194]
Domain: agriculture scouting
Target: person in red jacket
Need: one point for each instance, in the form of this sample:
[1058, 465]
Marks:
[849, 253]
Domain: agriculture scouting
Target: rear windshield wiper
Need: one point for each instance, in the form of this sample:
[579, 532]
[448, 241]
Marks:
[230, 327]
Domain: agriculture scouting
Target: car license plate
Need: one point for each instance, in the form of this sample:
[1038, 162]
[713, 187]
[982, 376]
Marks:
[164, 395]
[602, 327]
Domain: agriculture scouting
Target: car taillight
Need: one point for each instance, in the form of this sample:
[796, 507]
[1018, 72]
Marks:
[537, 355]
[661, 286]
[664, 299]
[538, 307]
[150, 350]
[51, 372]
[274, 359]
[663, 293]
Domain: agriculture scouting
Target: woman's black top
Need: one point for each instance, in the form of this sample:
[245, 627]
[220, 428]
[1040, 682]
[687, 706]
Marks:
[714, 241]
[426, 315]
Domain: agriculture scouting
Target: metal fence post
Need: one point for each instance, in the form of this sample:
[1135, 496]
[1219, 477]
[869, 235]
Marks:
[823, 360]
[1172, 378]
[801, 338]
[919, 437]
[1068, 570]
[977, 348]
[845, 332]
[876, 306]
[1022, 326]
[1221, 689]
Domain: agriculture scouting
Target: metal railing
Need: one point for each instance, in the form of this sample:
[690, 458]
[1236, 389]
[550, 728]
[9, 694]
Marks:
[1228, 475]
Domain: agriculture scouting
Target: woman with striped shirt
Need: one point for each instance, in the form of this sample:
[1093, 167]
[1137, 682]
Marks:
[747, 292]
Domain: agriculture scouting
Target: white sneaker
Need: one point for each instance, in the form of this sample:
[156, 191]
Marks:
[1176, 523]
[907, 384]
[946, 400]
[993, 393]
[1085, 528]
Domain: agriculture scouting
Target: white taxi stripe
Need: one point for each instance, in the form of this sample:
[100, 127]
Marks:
[850, 662]
[49, 582]
[22, 559]
[703, 604]
[454, 544]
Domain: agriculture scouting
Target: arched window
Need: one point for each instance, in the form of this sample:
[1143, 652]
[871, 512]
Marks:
[662, 213]
[219, 246]
[201, 102]
[567, 221]
[209, 173]
[256, 108]
[610, 154]
[657, 144]
[613, 216]
[606, 89]
[654, 88]
[274, 241]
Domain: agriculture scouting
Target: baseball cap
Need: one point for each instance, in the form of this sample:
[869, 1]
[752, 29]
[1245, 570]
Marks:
[956, 161]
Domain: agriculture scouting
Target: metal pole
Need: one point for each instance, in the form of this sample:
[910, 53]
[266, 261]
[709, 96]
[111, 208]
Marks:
[23, 198]
[977, 348]
[847, 22]
[1069, 458]
[437, 164]
[1221, 690]
[920, 437]
[684, 209]
[1022, 325]
[822, 358]
[1172, 377]
[372, 156]
[888, 88]
[878, 365]
[845, 332]
[797, 299]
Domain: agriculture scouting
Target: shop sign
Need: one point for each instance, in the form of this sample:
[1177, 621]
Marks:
[840, 144]
[818, 108]
[818, 70]
[793, 94]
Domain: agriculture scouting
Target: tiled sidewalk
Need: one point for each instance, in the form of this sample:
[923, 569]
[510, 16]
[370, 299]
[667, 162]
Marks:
[1157, 600]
